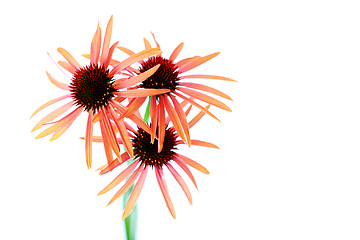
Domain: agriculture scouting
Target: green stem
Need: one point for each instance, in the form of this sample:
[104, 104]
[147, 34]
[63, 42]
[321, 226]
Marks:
[131, 220]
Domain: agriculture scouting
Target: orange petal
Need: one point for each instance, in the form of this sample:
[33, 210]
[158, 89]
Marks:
[115, 163]
[208, 77]
[134, 93]
[154, 116]
[126, 50]
[106, 141]
[197, 117]
[89, 139]
[181, 182]
[164, 190]
[124, 174]
[111, 131]
[95, 46]
[192, 163]
[182, 118]
[106, 44]
[204, 98]
[176, 52]
[174, 117]
[157, 44]
[69, 58]
[134, 106]
[147, 44]
[195, 104]
[135, 194]
[196, 62]
[133, 59]
[205, 88]
[132, 81]
[50, 103]
[110, 54]
[184, 167]
[66, 66]
[127, 184]
[161, 124]
[186, 61]
[52, 116]
[58, 84]
[203, 143]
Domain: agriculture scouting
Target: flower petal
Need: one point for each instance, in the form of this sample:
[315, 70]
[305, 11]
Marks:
[182, 117]
[115, 163]
[193, 164]
[50, 103]
[154, 116]
[205, 88]
[208, 77]
[204, 98]
[135, 193]
[176, 52]
[196, 62]
[197, 117]
[69, 58]
[106, 44]
[124, 174]
[134, 93]
[161, 124]
[181, 182]
[89, 139]
[127, 184]
[164, 190]
[184, 167]
[95, 46]
[58, 84]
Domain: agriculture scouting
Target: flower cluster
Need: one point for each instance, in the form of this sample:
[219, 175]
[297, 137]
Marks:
[112, 91]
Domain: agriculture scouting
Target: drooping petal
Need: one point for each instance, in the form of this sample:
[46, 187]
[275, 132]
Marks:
[106, 141]
[153, 116]
[135, 193]
[135, 93]
[195, 76]
[176, 52]
[106, 44]
[122, 131]
[110, 131]
[204, 98]
[61, 124]
[161, 124]
[66, 66]
[115, 163]
[197, 117]
[50, 103]
[205, 88]
[197, 62]
[69, 58]
[164, 190]
[121, 177]
[58, 84]
[133, 59]
[181, 181]
[132, 81]
[89, 139]
[52, 116]
[195, 104]
[193, 164]
[184, 167]
[127, 184]
[134, 106]
[173, 116]
[182, 117]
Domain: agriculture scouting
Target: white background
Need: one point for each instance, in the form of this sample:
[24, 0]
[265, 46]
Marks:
[289, 162]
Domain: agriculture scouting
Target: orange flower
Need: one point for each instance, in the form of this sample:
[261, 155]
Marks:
[146, 155]
[94, 89]
[170, 75]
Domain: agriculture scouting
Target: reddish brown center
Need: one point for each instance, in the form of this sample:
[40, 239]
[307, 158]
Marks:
[165, 77]
[91, 87]
[147, 152]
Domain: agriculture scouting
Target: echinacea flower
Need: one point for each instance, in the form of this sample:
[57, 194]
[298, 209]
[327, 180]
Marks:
[170, 75]
[146, 155]
[94, 89]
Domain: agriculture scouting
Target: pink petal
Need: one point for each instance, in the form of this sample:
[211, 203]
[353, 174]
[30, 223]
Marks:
[208, 77]
[164, 190]
[135, 93]
[50, 103]
[205, 88]
[183, 165]
[154, 116]
[193, 164]
[95, 46]
[115, 163]
[182, 118]
[110, 54]
[58, 84]
[161, 124]
[106, 44]
[66, 66]
[181, 182]
[197, 117]
[89, 139]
